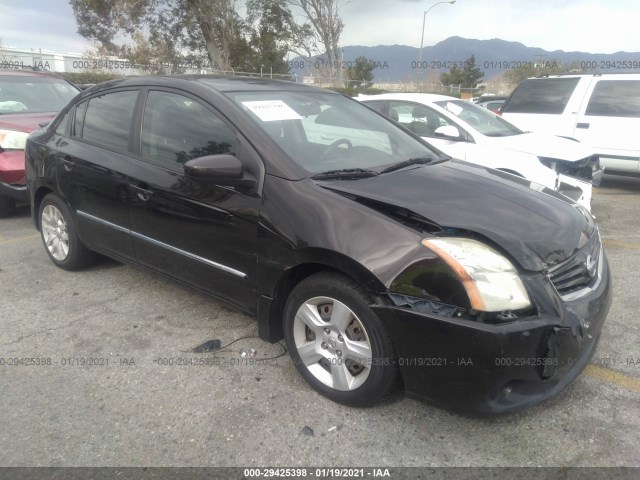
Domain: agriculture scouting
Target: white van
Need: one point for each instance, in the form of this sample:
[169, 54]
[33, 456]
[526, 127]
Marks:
[600, 110]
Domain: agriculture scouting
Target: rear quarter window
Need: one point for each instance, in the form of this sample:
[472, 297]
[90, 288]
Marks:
[615, 98]
[546, 96]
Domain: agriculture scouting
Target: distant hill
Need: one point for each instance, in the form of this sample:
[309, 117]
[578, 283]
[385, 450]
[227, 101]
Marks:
[494, 57]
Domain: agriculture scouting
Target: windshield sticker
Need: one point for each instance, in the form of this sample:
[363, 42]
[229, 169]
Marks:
[455, 109]
[272, 110]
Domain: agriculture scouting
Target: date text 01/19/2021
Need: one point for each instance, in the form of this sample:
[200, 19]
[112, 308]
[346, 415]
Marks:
[322, 472]
[66, 361]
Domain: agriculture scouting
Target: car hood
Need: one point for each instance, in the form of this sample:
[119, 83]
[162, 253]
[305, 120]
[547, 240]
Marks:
[543, 145]
[536, 226]
[25, 122]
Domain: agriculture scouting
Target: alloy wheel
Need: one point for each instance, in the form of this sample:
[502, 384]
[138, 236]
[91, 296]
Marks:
[332, 343]
[55, 233]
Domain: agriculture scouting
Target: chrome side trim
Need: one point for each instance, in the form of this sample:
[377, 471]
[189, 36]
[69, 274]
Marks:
[104, 222]
[192, 256]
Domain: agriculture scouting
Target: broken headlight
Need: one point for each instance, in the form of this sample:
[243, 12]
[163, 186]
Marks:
[490, 280]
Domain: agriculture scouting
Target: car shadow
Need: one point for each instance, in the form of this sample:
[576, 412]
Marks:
[21, 212]
[103, 263]
[621, 182]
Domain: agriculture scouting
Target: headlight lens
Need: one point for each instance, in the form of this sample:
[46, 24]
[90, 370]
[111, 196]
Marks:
[491, 281]
[12, 140]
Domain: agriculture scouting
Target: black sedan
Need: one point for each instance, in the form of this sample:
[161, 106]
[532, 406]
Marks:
[378, 259]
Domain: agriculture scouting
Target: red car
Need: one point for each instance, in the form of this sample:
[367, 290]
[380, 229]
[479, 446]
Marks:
[28, 99]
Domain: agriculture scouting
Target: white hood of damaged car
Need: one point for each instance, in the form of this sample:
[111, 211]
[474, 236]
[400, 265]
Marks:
[543, 145]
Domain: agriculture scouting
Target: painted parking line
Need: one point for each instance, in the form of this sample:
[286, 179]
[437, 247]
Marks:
[619, 193]
[19, 239]
[613, 376]
[619, 243]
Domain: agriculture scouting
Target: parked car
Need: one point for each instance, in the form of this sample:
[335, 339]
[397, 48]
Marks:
[377, 258]
[493, 106]
[491, 102]
[600, 110]
[468, 132]
[27, 100]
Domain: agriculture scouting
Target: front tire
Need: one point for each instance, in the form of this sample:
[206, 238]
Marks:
[337, 343]
[59, 235]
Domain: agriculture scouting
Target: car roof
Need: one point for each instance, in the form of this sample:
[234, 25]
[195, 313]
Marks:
[218, 83]
[416, 97]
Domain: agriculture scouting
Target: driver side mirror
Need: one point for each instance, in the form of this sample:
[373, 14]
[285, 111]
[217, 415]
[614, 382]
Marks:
[223, 169]
[448, 132]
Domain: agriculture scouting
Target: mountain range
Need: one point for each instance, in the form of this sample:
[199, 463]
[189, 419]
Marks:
[396, 63]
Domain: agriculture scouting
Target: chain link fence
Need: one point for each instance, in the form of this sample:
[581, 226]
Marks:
[333, 79]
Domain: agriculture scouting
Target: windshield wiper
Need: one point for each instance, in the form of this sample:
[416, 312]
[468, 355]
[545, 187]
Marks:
[345, 173]
[408, 163]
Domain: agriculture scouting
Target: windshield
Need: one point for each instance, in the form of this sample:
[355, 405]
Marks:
[34, 94]
[481, 119]
[329, 133]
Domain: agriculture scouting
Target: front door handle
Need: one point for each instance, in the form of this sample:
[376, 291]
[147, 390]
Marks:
[582, 125]
[142, 193]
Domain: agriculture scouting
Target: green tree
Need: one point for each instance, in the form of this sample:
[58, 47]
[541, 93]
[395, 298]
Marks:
[362, 72]
[274, 33]
[469, 76]
[326, 26]
[203, 31]
[159, 56]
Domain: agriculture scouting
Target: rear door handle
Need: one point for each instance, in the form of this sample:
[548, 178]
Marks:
[67, 163]
[582, 125]
[143, 194]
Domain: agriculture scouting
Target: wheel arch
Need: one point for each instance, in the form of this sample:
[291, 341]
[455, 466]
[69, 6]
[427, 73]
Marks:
[271, 307]
[39, 194]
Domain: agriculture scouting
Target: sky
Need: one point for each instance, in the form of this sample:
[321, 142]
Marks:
[595, 26]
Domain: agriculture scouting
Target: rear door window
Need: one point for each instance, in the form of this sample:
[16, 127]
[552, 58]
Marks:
[108, 119]
[546, 96]
[377, 105]
[421, 120]
[615, 98]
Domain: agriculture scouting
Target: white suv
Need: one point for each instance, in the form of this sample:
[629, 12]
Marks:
[600, 110]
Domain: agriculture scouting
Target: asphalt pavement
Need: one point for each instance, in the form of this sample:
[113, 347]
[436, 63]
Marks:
[113, 381]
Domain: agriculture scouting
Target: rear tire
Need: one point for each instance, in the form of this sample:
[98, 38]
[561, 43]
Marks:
[7, 206]
[59, 235]
[337, 343]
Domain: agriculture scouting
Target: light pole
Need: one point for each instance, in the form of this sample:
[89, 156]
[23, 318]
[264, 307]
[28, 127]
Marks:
[424, 19]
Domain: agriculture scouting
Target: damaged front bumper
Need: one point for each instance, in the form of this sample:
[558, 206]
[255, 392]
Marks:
[488, 369]
[17, 192]
[580, 191]
[588, 168]
[577, 179]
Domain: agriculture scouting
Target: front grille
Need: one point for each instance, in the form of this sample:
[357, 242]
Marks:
[580, 271]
